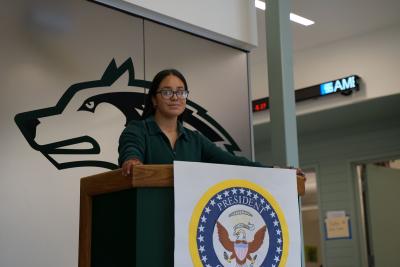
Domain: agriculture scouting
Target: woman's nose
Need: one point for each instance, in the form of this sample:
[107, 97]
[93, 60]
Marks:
[174, 97]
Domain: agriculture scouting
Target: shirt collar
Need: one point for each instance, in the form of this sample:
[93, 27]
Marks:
[182, 131]
[154, 129]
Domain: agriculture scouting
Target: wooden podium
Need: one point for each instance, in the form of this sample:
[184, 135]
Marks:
[129, 221]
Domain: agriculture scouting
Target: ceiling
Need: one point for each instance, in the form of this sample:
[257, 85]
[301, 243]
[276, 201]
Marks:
[340, 19]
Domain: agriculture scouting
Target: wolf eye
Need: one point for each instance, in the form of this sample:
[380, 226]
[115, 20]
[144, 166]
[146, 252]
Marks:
[89, 105]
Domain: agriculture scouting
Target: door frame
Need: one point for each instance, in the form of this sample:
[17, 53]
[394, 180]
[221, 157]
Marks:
[315, 167]
[358, 200]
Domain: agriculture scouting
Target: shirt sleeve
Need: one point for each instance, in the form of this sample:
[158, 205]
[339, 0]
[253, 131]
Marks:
[132, 142]
[213, 154]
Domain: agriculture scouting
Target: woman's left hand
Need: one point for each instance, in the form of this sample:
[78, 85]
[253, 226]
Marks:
[299, 172]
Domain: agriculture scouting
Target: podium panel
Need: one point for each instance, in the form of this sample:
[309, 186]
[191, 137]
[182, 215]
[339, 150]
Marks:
[133, 227]
[126, 221]
[113, 229]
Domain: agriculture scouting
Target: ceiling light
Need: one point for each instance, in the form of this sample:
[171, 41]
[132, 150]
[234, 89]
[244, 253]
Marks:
[301, 20]
[260, 4]
[293, 17]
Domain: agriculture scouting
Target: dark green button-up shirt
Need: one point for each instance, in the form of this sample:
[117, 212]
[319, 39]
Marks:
[145, 141]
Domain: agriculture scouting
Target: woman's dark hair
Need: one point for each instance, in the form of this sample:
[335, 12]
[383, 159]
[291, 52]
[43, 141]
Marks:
[148, 103]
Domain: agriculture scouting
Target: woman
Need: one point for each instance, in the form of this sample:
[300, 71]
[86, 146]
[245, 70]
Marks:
[160, 138]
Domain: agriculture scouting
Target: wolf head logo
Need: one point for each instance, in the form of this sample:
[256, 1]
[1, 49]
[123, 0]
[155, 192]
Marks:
[70, 135]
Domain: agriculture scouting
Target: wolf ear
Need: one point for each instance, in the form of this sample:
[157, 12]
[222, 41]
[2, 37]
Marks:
[113, 72]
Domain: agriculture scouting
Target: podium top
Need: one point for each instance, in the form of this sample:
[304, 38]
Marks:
[143, 176]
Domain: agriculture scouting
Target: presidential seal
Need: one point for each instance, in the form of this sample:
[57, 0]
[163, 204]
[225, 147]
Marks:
[237, 223]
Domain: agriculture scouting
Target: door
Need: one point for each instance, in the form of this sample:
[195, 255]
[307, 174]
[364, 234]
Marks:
[382, 214]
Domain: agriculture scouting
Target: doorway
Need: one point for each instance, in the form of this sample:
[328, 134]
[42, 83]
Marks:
[379, 188]
[311, 221]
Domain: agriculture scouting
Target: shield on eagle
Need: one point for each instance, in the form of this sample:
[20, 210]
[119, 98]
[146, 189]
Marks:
[241, 250]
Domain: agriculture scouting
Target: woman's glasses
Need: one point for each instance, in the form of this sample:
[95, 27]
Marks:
[167, 93]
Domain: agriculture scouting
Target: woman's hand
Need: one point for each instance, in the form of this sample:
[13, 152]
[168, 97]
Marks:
[299, 172]
[127, 166]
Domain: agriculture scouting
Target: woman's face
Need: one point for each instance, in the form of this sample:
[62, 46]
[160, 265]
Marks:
[172, 106]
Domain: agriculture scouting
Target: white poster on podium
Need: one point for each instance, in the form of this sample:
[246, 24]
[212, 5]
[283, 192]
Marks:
[235, 216]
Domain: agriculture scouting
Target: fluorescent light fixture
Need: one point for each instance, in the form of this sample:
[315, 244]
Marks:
[260, 4]
[301, 20]
[293, 17]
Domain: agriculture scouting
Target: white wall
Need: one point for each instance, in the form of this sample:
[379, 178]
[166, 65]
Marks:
[232, 22]
[374, 56]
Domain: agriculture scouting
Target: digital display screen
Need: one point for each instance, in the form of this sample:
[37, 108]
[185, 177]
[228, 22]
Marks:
[347, 83]
[343, 85]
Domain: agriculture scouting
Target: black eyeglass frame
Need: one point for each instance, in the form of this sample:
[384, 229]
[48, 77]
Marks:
[167, 93]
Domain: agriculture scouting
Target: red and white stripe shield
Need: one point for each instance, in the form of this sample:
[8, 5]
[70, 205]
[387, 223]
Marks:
[241, 250]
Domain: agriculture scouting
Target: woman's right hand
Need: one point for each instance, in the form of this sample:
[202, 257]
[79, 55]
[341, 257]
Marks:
[127, 166]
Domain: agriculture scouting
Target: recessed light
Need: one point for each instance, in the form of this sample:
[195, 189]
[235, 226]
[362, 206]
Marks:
[301, 20]
[293, 17]
[260, 4]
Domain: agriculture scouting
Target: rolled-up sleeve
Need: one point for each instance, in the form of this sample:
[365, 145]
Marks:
[132, 142]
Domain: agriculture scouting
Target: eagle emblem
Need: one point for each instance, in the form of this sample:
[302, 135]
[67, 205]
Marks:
[238, 224]
[240, 249]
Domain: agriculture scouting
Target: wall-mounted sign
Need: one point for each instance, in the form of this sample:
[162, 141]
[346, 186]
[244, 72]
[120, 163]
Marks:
[337, 225]
[339, 85]
[344, 86]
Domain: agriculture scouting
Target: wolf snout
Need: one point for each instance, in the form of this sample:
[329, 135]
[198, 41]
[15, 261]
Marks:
[27, 124]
